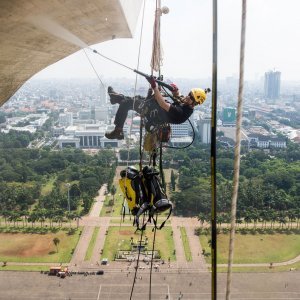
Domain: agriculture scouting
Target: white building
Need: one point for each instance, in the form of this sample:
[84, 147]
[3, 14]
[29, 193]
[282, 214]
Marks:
[266, 142]
[67, 141]
[65, 119]
[101, 114]
[180, 130]
[87, 136]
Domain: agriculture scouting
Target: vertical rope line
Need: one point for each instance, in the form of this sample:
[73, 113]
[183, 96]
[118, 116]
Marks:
[152, 254]
[135, 86]
[134, 98]
[237, 151]
[214, 155]
[138, 260]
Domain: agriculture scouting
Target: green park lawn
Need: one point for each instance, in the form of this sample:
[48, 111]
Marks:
[33, 248]
[119, 238]
[92, 243]
[186, 245]
[47, 188]
[24, 268]
[258, 248]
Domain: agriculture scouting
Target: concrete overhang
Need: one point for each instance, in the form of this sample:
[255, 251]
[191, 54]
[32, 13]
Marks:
[27, 48]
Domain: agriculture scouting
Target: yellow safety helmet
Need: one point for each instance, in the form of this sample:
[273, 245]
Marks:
[199, 95]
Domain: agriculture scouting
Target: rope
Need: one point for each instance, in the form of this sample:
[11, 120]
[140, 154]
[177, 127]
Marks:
[93, 68]
[138, 62]
[152, 254]
[237, 151]
[156, 59]
[213, 156]
[138, 260]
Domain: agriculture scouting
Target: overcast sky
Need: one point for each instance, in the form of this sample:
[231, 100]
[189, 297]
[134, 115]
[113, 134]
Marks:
[272, 41]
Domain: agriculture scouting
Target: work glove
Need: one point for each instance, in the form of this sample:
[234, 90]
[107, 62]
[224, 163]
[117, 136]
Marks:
[175, 88]
[152, 82]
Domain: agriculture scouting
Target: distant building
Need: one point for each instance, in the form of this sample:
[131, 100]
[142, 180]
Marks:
[101, 114]
[204, 128]
[87, 136]
[85, 114]
[266, 142]
[180, 141]
[57, 131]
[180, 130]
[65, 119]
[229, 116]
[67, 141]
[272, 85]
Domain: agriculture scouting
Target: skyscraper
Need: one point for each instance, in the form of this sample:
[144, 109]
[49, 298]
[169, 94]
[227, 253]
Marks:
[272, 84]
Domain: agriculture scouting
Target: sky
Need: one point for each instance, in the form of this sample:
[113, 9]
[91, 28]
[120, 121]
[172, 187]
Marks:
[272, 42]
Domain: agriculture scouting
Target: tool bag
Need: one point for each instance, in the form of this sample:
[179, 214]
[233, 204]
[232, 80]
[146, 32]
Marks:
[144, 193]
[131, 184]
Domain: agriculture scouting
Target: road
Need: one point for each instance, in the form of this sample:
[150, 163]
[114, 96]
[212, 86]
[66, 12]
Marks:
[118, 285]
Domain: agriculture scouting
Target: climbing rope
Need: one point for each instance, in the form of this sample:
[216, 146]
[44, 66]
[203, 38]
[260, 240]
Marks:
[237, 151]
[213, 157]
[138, 260]
[156, 59]
[152, 254]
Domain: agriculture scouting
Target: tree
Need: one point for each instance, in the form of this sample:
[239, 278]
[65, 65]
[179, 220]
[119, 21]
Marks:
[56, 241]
[173, 180]
[113, 191]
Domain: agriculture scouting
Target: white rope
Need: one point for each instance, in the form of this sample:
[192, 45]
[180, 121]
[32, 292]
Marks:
[156, 59]
[237, 152]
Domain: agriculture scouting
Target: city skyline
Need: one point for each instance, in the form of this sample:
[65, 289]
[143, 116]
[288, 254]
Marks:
[269, 44]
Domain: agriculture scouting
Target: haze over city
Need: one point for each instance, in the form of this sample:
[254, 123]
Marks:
[272, 42]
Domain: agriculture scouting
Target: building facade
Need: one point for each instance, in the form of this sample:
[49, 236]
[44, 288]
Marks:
[204, 129]
[266, 142]
[272, 85]
[229, 116]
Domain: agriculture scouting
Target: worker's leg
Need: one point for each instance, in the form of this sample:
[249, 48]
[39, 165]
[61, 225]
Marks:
[126, 104]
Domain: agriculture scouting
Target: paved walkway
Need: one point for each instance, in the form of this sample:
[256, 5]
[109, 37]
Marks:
[87, 233]
[198, 260]
[180, 256]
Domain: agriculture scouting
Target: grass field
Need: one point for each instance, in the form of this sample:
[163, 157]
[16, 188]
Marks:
[295, 266]
[186, 245]
[262, 248]
[120, 239]
[25, 247]
[47, 188]
[24, 268]
[92, 243]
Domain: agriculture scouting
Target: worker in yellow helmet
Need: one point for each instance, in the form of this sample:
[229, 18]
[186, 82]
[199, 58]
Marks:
[157, 112]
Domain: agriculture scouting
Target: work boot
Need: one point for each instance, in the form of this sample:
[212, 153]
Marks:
[117, 134]
[114, 97]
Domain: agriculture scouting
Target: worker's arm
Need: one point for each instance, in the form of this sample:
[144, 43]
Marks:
[161, 100]
[158, 97]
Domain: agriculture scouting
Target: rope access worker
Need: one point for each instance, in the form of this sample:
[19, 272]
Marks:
[158, 112]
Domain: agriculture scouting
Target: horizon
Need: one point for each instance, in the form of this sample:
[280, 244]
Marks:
[269, 44]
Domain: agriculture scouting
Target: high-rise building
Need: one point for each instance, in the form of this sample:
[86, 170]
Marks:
[229, 116]
[272, 84]
[204, 128]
